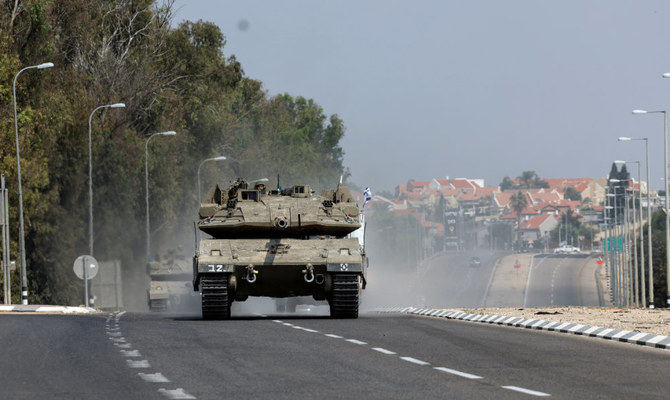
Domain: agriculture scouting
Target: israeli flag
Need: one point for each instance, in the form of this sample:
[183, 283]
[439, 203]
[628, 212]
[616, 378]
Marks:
[367, 195]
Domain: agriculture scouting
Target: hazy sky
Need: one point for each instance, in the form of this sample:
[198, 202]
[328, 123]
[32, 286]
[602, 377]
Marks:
[477, 89]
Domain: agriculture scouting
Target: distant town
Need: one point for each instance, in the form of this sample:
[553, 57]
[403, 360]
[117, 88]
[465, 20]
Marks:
[524, 214]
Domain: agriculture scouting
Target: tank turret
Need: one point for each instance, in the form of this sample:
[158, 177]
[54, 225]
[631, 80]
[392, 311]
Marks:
[248, 212]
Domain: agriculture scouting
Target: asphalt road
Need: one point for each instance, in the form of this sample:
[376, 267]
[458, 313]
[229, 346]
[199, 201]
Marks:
[451, 281]
[446, 281]
[562, 280]
[264, 355]
[157, 356]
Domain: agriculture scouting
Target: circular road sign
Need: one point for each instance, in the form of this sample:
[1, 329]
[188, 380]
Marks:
[89, 262]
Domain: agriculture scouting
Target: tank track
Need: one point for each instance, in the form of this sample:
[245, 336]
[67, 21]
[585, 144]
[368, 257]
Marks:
[345, 297]
[215, 301]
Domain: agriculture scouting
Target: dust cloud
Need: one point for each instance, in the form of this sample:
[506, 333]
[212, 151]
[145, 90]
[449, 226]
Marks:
[440, 280]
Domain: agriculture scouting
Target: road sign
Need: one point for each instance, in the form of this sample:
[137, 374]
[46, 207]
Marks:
[91, 264]
[85, 267]
[600, 260]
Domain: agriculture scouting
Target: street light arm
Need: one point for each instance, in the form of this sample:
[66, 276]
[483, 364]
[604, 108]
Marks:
[627, 139]
[640, 112]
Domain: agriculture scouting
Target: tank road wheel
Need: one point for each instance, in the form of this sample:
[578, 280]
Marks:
[345, 296]
[215, 301]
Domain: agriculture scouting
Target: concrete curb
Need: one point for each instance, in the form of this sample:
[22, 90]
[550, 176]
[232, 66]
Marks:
[634, 337]
[48, 309]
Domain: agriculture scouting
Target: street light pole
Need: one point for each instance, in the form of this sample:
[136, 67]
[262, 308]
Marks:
[219, 158]
[637, 285]
[616, 275]
[22, 243]
[649, 252]
[611, 245]
[667, 195]
[666, 209]
[146, 184]
[90, 175]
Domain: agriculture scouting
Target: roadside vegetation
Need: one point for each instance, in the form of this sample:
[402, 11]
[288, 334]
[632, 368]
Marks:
[169, 78]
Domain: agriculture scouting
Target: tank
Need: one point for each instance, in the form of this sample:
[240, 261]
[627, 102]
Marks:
[281, 243]
[170, 286]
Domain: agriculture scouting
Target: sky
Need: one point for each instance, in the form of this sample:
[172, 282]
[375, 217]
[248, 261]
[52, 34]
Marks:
[481, 89]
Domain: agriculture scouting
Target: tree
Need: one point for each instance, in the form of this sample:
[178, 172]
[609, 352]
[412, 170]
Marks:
[572, 194]
[530, 180]
[518, 202]
[527, 178]
[571, 229]
[506, 183]
[170, 79]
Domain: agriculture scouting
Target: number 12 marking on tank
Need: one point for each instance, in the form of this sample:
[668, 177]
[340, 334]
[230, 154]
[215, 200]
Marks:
[215, 268]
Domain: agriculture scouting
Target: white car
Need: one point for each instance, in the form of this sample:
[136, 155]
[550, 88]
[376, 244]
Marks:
[567, 250]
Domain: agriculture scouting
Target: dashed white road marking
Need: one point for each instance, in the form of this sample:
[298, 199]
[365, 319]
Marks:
[157, 377]
[333, 336]
[120, 342]
[130, 353]
[526, 391]
[459, 373]
[138, 364]
[408, 359]
[414, 361]
[178, 393]
[384, 351]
